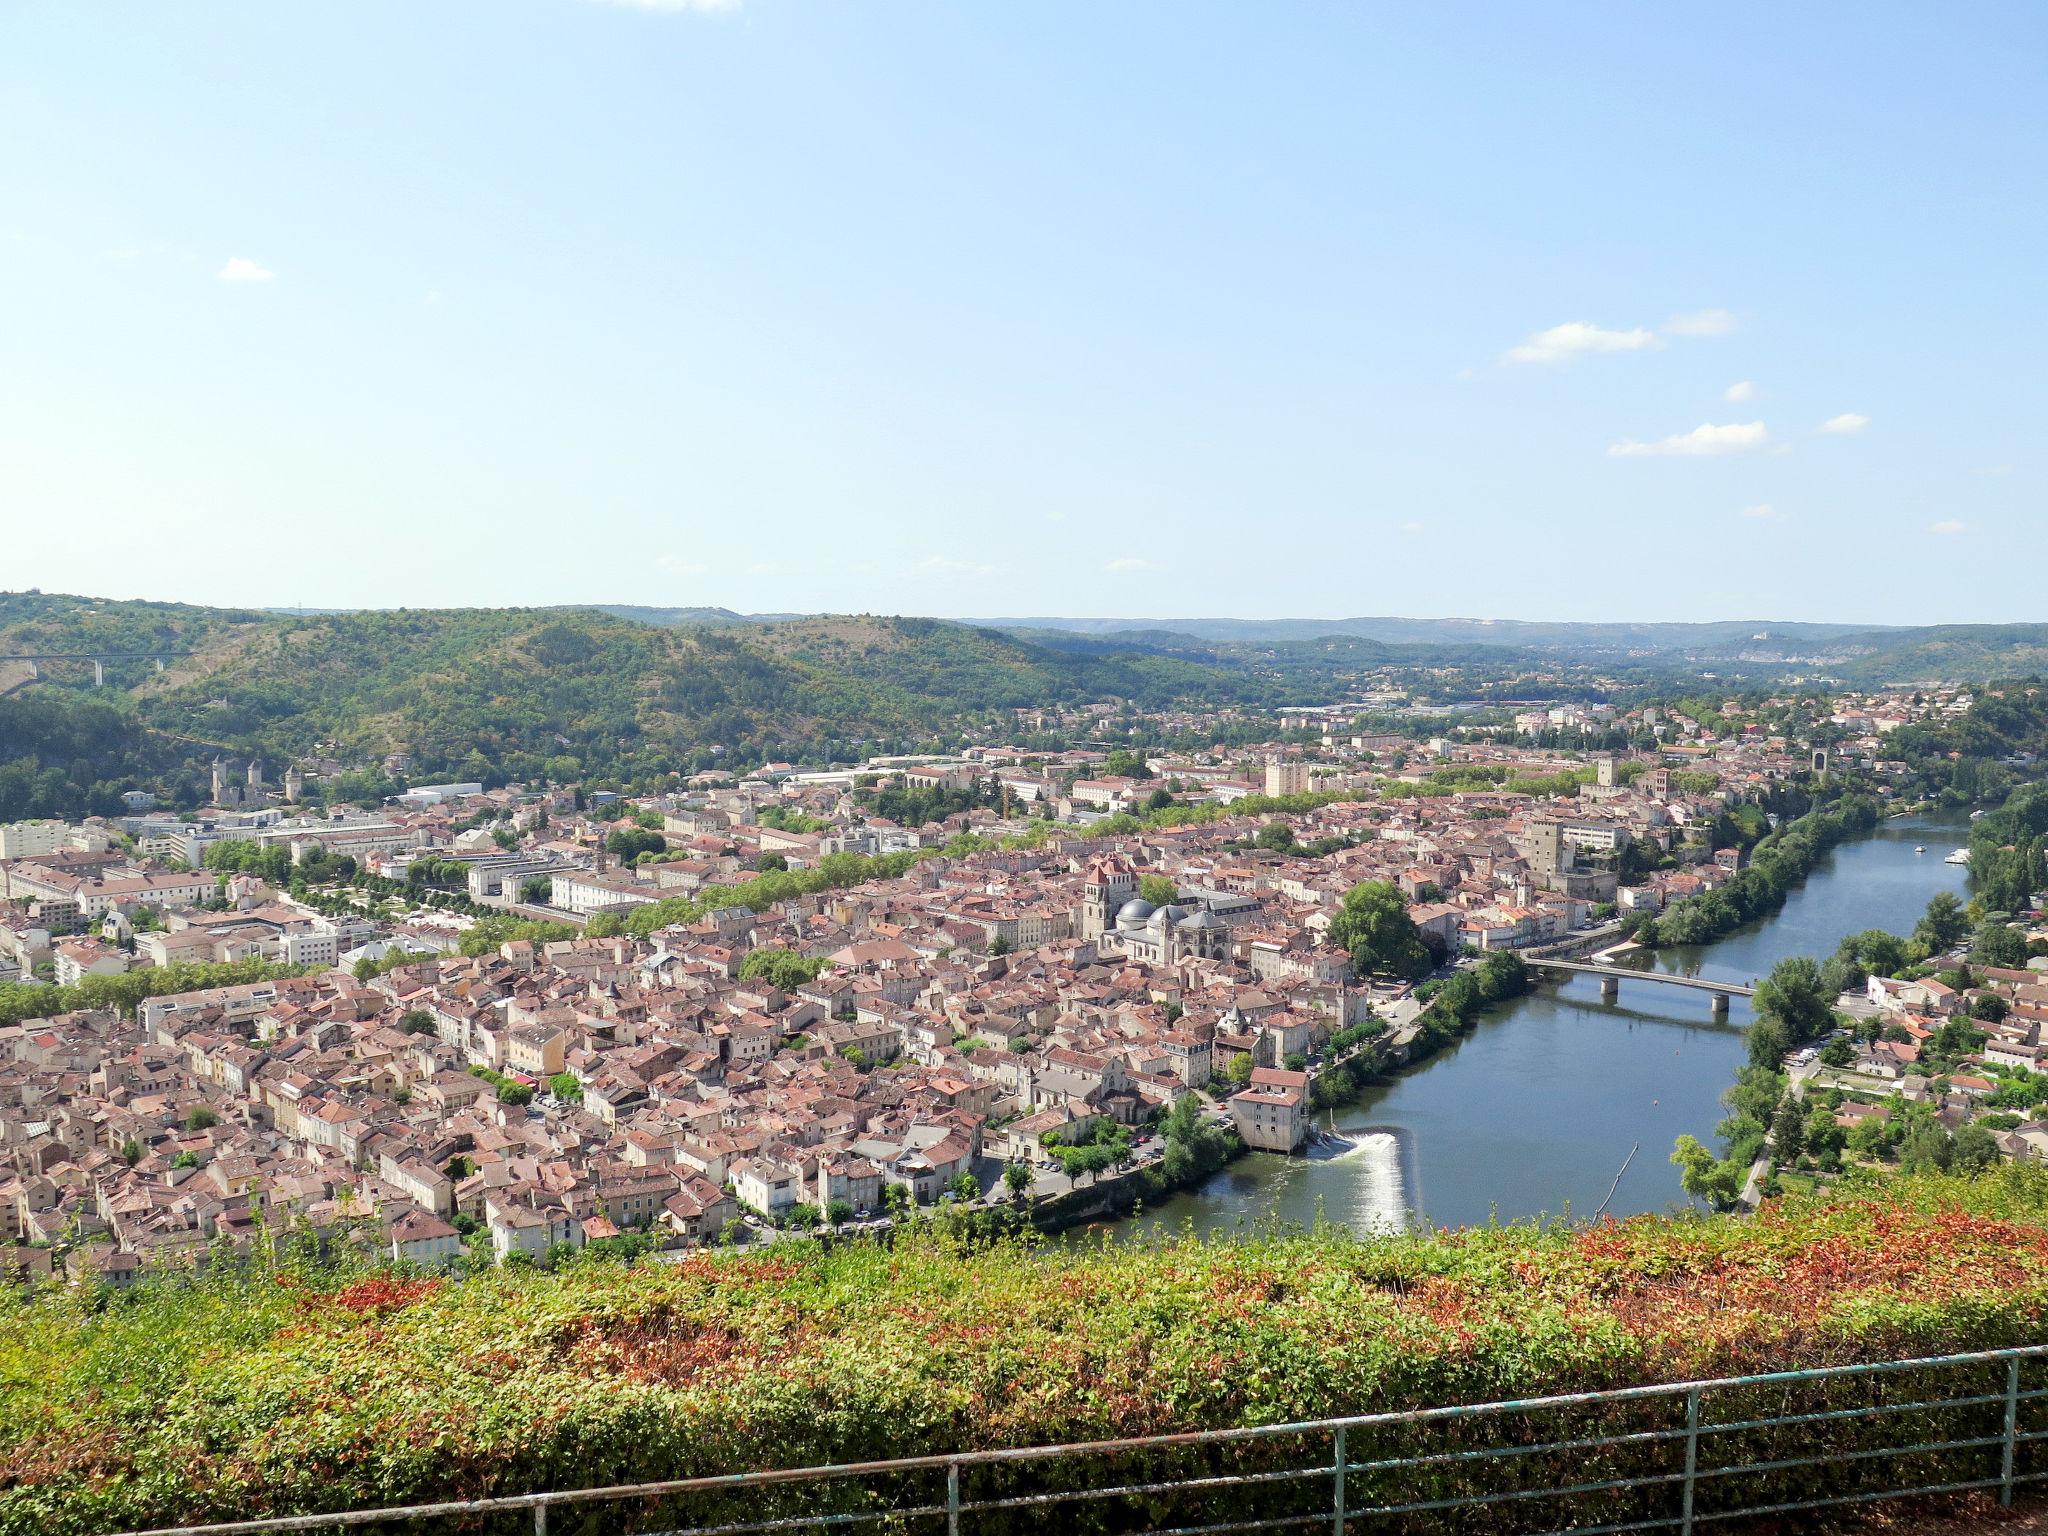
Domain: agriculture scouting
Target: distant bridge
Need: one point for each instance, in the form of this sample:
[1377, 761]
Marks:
[1612, 976]
[99, 660]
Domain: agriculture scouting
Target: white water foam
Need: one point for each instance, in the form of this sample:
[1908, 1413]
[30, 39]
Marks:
[1382, 1202]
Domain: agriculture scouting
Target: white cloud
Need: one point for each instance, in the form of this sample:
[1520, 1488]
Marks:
[1129, 565]
[953, 570]
[679, 567]
[1702, 440]
[1575, 338]
[1762, 509]
[1948, 525]
[1846, 424]
[1739, 391]
[1411, 526]
[240, 269]
[1701, 322]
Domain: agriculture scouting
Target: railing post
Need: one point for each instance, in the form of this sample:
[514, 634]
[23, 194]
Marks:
[1692, 1459]
[1337, 1507]
[2012, 1428]
[540, 1519]
[953, 1498]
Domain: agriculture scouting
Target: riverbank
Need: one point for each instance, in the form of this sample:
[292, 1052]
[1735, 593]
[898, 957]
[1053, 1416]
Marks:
[1532, 1109]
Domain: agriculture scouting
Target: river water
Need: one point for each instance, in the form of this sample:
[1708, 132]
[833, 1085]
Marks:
[1537, 1109]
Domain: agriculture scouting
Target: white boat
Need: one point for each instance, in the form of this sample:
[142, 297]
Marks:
[1959, 856]
[1920, 848]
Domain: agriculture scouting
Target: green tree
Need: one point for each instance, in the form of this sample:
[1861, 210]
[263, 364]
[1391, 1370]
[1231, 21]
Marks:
[1706, 1177]
[1374, 925]
[1943, 924]
[200, 1118]
[1018, 1178]
[1973, 1149]
[1795, 995]
[1275, 837]
[1158, 890]
[2000, 945]
[1788, 1131]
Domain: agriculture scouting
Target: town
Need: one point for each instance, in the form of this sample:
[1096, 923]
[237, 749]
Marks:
[505, 1022]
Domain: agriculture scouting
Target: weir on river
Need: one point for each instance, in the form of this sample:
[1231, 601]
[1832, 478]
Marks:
[1534, 1111]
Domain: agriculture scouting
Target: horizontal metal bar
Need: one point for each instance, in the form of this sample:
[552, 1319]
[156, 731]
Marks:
[807, 1521]
[1396, 1463]
[1280, 1524]
[1853, 1413]
[1863, 1455]
[1125, 1490]
[1655, 1480]
[1662, 1523]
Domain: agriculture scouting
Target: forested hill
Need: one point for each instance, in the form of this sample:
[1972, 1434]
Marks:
[526, 692]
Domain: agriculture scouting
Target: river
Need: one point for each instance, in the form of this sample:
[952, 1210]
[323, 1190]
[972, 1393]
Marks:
[1535, 1111]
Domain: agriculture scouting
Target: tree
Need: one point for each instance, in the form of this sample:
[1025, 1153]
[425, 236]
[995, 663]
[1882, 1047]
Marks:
[772, 863]
[131, 1151]
[1276, 837]
[1374, 925]
[1838, 1052]
[1795, 995]
[200, 1118]
[1704, 1177]
[1158, 890]
[2000, 945]
[802, 1217]
[417, 1021]
[564, 1085]
[1788, 1130]
[964, 1187]
[1018, 1179]
[1942, 925]
[1973, 1149]
[783, 969]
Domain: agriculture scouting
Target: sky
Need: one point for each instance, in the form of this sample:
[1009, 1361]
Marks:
[1160, 308]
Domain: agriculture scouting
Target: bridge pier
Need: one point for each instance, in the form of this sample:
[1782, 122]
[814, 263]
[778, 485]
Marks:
[35, 670]
[1610, 989]
[99, 674]
[1720, 1004]
[159, 664]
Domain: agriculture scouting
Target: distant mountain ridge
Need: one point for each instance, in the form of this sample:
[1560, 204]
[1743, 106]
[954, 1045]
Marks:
[1532, 634]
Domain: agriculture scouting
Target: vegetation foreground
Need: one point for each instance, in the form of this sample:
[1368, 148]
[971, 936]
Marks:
[291, 1390]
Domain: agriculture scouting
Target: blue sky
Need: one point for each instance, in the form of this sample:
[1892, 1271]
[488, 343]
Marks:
[1146, 309]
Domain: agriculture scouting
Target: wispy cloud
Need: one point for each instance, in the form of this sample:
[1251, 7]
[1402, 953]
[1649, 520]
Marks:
[1411, 526]
[1949, 525]
[953, 570]
[1701, 322]
[1703, 440]
[240, 269]
[1578, 338]
[1762, 509]
[677, 566]
[1129, 565]
[1845, 425]
[1739, 391]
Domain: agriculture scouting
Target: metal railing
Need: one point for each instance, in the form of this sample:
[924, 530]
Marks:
[1686, 1457]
